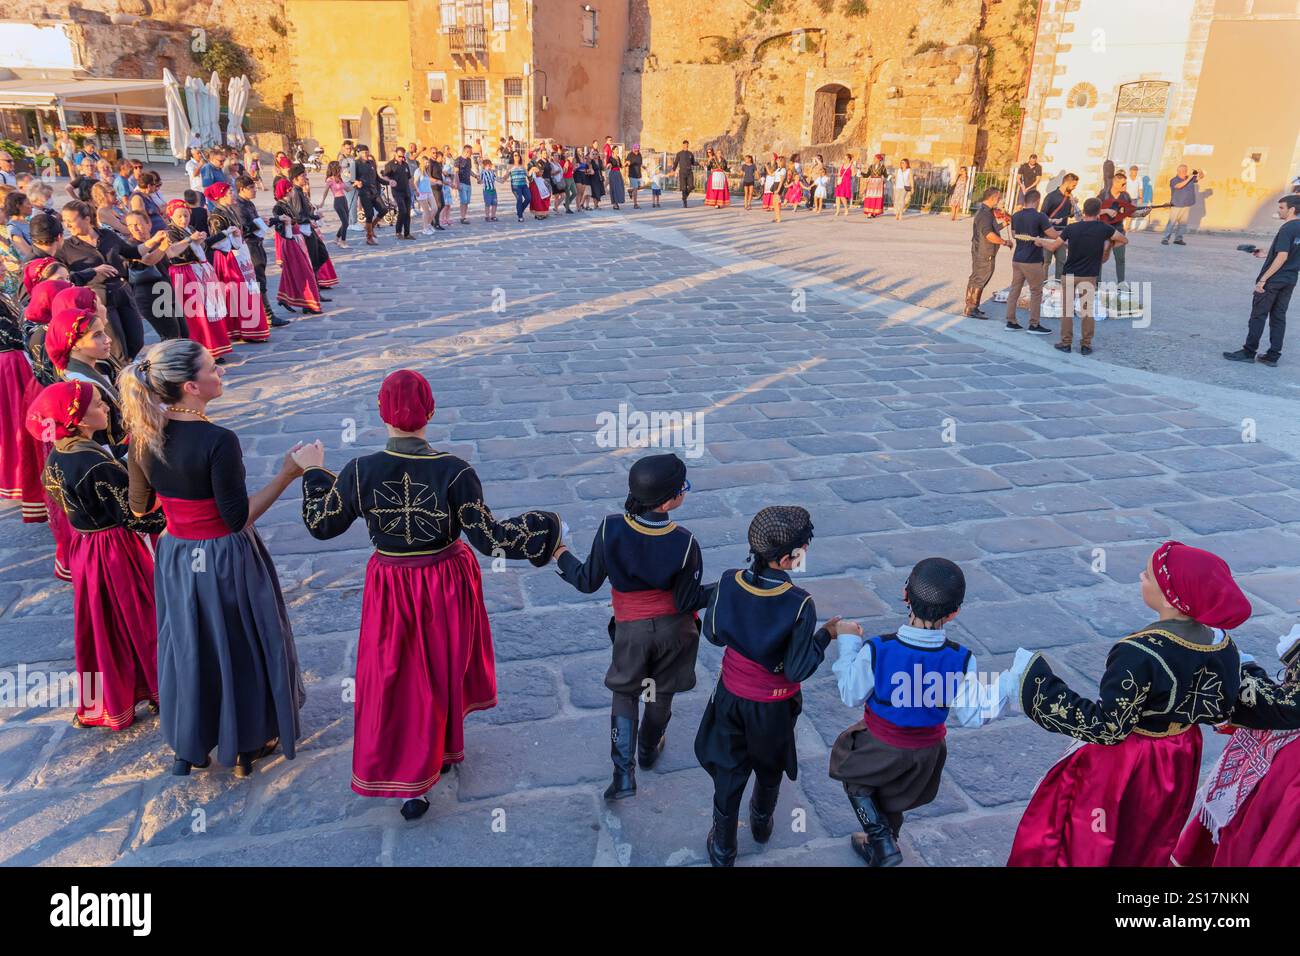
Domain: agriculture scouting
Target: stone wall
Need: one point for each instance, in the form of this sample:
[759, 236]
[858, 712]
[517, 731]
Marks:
[138, 38]
[940, 81]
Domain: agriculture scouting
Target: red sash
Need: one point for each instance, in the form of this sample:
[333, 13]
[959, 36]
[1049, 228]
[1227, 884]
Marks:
[752, 681]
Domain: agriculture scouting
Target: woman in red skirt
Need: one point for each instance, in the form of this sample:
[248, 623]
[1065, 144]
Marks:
[196, 292]
[298, 285]
[245, 317]
[39, 311]
[425, 658]
[1249, 811]
[1120, 795]
[112, 570]
[21, 454]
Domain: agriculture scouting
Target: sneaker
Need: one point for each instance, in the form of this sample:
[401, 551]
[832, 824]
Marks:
[1038, 330]
[1179, 242]
[1241, 355]
[1269, 360]
[1085, 350]
[1061, 348]
[1014, 326]
[1164, 241]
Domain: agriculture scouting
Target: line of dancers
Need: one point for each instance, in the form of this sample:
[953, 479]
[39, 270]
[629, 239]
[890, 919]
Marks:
[177, 605]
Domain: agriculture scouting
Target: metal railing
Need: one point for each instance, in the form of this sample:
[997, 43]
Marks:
[470, 40]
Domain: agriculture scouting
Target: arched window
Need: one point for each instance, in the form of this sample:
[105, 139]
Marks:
[1149, 97]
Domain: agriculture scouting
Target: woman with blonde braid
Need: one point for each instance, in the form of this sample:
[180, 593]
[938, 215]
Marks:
[228, 672]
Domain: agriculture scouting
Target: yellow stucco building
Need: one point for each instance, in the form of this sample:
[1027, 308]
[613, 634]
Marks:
[455, 72]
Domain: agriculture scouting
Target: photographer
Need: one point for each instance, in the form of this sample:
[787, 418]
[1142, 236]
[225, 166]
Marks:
[1182, 189]
[1273, 287]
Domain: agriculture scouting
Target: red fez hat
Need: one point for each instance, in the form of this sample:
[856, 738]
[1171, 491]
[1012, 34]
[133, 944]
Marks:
[282, 187]
[60, 407]
[216, 191]
[40, 305]
[175, 204]
[38, 270]
[1200, 585]
[406, 400]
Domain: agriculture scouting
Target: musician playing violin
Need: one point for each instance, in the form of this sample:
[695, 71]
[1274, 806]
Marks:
[986, 239]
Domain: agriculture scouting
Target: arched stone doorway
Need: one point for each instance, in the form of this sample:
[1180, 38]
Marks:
[831, 106]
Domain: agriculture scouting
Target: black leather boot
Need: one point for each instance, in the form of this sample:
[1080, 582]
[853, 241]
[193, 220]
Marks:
[650, 742]
[721, 842]
[762, 807]
[879, 847]
[622, 751]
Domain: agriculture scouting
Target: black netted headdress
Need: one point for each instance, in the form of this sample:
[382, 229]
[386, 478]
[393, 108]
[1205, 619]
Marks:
[935, 588]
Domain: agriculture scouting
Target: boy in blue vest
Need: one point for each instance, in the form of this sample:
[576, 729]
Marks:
[892, 759]
[769, 629]
[654, 566]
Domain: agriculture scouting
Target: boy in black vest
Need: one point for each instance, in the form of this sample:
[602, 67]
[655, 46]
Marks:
[769, 629]
[654, 566]
[892, 759]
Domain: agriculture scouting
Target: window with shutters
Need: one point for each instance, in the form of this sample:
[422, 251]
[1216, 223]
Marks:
[500, 15]
[589, 29]
[437, 85]
[447, 15]
[473, 16]
[473, 90]
[515, 112]
[514, 86]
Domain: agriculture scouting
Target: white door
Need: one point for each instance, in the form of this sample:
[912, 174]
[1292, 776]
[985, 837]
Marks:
[1137, 141]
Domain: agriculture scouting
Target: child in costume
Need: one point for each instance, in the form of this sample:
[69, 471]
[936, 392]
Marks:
[653, 565]
[910, 682]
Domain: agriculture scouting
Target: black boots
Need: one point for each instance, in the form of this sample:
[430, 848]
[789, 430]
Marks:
[416, 808]
[762, 807]
[650, 743]
[721, 842]
[622, 747]
[876, 844]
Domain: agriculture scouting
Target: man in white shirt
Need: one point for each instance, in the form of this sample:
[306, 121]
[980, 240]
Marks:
[192, 167]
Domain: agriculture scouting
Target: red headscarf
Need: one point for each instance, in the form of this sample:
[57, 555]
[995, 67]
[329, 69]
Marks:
[1200, 585]
[216, 191]
[40, 305]
[69, 324]
[282, 187]
[406, 400]
[172, 206]
[38, 270]
[60, 406]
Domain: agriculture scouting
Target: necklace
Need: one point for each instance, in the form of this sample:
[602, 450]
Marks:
[180, 410]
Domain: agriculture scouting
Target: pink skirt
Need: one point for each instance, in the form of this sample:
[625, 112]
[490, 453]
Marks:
[1265, 830]
[298, 285]
[202, 302]
[795, 193]
[873, 197]
[21, 455]
[245, 317]
[115, 626]
[717, 191]
[844, 188]
[1121, 805]
[424, 661]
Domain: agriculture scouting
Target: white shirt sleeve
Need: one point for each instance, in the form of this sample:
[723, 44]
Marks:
[853, 670]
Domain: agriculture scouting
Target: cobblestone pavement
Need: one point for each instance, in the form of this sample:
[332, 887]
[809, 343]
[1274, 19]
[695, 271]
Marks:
[1049, 481]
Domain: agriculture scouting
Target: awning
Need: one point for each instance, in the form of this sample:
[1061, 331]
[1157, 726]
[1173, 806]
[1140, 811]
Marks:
[90, 93]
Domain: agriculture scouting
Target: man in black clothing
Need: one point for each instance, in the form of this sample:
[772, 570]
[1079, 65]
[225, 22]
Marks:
[249, 220]
[1088, 240]
[368, 190]
[398, 174]
[985, 241]
[1060, 207]
[436, 177]
[1029, 174]
[1273, 287]
[684, 165]
[93, 257]
[83, 182]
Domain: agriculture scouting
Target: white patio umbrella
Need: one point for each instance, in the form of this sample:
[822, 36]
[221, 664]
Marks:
[214, 107]
[194, 108]
[236, 104]
[178, 125]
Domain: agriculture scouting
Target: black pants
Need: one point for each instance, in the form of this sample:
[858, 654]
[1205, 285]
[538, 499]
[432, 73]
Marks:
[685, 184]
[125, 325]
[402, 199]
[153, 307]
[257, 252]
[372, 207]
[657, 711]
[1270, 305]
[341, 210]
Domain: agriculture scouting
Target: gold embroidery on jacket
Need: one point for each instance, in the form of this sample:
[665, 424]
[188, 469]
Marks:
[409, 508]
[513, 533]
[1062, 717]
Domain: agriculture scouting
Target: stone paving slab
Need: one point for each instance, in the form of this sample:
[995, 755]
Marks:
[1049, 481]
